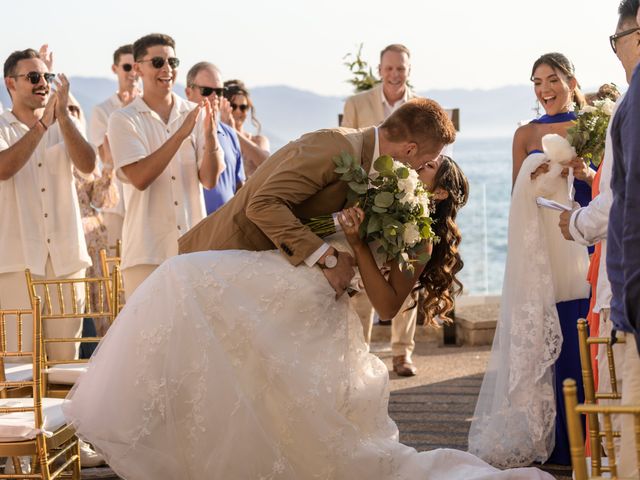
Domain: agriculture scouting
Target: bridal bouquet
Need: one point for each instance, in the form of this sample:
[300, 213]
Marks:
[588, 134]
[396, 207]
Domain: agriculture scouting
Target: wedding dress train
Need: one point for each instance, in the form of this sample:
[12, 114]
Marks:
[237, 365]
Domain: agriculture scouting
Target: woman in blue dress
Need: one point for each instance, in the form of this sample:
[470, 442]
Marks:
[520, 416]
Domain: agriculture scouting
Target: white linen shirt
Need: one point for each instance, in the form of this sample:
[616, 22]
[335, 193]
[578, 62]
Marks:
[97, 131]
[174, 202]
[388, 108]
[39, 210]
[588, 225]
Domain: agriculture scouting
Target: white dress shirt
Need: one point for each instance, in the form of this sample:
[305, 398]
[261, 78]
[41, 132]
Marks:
[97, 131]
[588, 225]
[39, 211]
[173, 203]
[388, 108]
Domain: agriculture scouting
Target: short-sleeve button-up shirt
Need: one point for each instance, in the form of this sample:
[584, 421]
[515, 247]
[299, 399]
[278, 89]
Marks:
[39, 211]
[173, 203]
[97, 131]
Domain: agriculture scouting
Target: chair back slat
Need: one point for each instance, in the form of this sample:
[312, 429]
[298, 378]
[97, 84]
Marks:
[108, 266]
[574, 429]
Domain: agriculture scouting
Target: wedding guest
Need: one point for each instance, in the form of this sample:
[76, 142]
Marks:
[373, 106]
[204, 83]
[255, 148]
[163, 148]
[623, 247]
[122, 67]
[365, 110]
[588, 226]
[519, 419]
[40, 223]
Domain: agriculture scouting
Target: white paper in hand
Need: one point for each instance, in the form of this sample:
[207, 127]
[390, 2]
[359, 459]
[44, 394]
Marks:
[552, 204]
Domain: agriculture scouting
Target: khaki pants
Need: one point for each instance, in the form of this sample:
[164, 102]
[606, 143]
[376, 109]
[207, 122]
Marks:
[132, 277]
[113, 223]
[630, 396]
[15, 294]
[604, 375]
[403, 325]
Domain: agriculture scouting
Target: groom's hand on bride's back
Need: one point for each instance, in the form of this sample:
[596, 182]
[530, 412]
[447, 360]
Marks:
[339, 276]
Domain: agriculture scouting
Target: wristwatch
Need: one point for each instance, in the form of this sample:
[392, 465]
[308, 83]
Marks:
[330, 261]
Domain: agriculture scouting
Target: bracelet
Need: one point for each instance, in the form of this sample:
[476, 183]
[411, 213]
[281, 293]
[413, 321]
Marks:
[43, 125]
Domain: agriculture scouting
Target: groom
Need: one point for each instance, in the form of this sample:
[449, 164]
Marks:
[298, 182]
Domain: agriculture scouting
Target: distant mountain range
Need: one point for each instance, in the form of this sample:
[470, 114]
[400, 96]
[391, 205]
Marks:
[287, 112]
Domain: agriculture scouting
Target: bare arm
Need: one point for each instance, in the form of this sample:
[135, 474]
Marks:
[519, 152]
[387, 296]
[143, 173]
[80, 152]
[17, 155]
[213, 160]
[252, 153]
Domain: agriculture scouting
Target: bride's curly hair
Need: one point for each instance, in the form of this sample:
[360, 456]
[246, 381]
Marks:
[439, 276]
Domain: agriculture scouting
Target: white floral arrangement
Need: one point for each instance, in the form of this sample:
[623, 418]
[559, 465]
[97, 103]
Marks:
[396, 207]
[589, 131]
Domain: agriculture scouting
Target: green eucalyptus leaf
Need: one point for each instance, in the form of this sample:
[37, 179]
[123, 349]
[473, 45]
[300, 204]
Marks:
[378, 209]
[383, 164]
[384, 199]
[402, 172]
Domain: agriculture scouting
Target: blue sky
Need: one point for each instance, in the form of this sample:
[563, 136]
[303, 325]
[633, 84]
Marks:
[455, 44]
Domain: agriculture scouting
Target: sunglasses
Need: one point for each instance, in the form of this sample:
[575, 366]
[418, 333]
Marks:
[207, 91]
[158, 62]
[34, 77]
[127, 67]
[242, 108]
[614, 38]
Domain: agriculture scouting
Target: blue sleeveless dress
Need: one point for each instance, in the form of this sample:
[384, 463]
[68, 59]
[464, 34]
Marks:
[568, 363]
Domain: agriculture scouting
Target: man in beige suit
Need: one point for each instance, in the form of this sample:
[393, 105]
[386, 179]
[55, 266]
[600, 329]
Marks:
[298, 182]
[373, 106]
[364, 110]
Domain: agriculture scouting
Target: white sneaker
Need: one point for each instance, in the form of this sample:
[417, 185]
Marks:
[88, 456]
[25, 463]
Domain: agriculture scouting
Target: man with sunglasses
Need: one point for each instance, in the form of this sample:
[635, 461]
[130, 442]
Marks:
[40, 223]
[127, 91]
[163, 148]
[204, 82]
[623, 246]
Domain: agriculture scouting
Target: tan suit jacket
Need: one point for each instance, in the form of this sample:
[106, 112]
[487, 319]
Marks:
[296, 183]
[365, 109]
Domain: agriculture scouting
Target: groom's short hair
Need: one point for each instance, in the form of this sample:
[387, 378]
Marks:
[628, 9]
[422, 121]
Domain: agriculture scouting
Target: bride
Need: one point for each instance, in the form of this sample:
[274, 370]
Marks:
[237, 365]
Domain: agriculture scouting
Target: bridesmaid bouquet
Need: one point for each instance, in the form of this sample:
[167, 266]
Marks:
[396, 207]
[588, 134]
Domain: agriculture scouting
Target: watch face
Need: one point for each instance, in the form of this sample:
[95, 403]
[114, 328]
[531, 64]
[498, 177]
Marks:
[330, 261]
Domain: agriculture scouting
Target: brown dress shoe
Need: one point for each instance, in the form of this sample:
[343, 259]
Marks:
[403, 366]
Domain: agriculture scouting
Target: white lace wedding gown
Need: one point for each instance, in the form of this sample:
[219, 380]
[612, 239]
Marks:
[236, 365]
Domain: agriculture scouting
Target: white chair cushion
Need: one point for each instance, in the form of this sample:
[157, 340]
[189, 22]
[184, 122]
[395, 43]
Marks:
[66, 373]
[16, 427]
[18, 372]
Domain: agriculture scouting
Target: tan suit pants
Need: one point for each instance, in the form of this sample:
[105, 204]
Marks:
[14, 294]
[403, 325]
[630, 396]
[132, 277]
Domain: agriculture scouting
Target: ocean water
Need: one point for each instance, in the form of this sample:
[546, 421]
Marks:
[484, 220]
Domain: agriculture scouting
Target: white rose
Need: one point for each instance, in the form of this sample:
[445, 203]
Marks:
[409, 184]
[588, 109]
[411, 234]
[557, 148]
[423, 199]
[607, 106]
[410, 198]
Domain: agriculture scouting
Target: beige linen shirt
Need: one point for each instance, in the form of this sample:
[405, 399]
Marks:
[39, 211]
[174, 202]
[97, 131]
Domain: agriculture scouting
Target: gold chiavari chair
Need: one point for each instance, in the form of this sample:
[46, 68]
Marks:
[33, 427]
[576, 439]
[591, 396]
[107, 266]
[61, 375]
